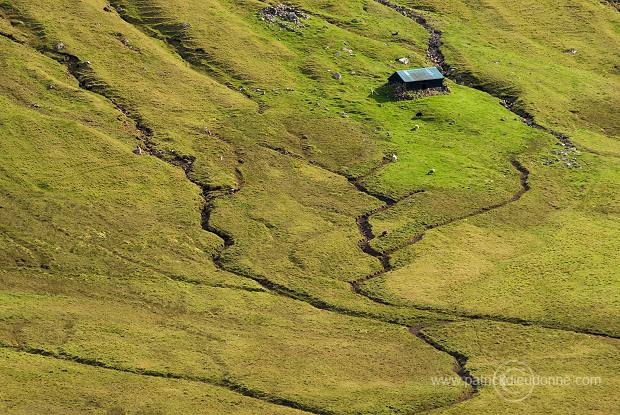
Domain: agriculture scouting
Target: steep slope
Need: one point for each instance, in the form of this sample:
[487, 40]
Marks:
[220, 260]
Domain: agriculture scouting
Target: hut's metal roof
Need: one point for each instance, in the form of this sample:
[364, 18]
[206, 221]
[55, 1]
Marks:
[420, 74]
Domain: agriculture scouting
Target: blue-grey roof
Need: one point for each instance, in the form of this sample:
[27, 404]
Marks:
[420, 74]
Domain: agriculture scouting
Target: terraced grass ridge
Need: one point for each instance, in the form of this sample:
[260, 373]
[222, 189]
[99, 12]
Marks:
[217, 207]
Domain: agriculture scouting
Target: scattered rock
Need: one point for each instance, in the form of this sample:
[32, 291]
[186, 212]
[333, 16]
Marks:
[138, 151]
[431, 172]
[185, 25]
[419, 114]
[383, 234]
[403, 60]
[566, 155]
[124, 40]
[571, 51]
[207, 131]
[241, 161]
[394, 158]
[394, 33]
[108, 9]
[348, 50]
[399, 93]
[451, 122]
[416, 127]
[337, 75]
[285, 16]
[59, 46]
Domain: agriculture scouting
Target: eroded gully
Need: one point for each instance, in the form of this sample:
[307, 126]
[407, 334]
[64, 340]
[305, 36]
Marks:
[76, 68]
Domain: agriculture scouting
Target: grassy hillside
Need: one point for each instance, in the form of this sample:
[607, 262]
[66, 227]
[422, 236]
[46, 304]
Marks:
[508, 262]
[561, 65]
[260, 253]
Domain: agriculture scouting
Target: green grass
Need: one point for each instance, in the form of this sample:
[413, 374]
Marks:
[550, 257]
[526, 260]
[571, 373]
[258, 340]
[508, 44]
[104, 259]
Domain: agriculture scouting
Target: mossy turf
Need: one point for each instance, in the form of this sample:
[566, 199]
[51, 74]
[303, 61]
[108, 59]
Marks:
[552, 256]
[559, 57]
[534, 365]
[211, 274]
[64, 387]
